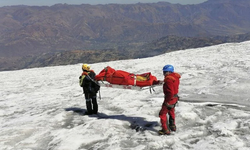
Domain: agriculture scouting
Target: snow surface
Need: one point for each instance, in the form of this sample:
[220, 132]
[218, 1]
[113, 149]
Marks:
[41, 108]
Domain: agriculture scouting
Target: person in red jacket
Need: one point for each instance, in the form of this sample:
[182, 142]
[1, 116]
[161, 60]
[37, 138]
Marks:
[170, 89]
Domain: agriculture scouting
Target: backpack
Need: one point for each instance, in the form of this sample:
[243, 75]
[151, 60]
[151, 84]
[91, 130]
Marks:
[96, 86]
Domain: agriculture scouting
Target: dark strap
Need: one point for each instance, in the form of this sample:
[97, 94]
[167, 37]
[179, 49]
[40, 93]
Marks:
[169, 106]
[93, 80]
[175, 95]
[172, 106]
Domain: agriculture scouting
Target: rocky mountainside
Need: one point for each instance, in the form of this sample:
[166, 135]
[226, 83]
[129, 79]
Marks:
[157, 47]
[32, 32]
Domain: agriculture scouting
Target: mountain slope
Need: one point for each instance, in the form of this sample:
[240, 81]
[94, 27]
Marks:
[156, 47]
[34, 30]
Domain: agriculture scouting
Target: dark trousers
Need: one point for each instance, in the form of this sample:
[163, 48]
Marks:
[91, 103]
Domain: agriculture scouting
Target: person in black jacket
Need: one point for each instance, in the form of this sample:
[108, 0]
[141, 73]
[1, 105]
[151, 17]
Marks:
[90, 88]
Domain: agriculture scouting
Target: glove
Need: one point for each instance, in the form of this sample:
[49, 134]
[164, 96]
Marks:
[160, 82]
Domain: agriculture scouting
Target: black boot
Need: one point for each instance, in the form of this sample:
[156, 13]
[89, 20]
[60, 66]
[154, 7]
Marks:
[172, 125]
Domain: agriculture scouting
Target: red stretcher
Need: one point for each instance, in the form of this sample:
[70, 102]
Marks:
[112, 78]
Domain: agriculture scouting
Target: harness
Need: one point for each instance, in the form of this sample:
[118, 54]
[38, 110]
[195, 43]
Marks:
[176, 95]
[173, 105]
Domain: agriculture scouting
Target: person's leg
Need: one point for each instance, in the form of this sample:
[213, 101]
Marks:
[88, 104]
[163, 118]
[172, 125]
[95, 105]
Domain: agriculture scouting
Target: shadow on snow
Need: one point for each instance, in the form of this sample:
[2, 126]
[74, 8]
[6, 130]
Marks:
[136, 123]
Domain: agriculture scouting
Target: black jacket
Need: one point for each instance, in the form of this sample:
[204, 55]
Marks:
[87, 82]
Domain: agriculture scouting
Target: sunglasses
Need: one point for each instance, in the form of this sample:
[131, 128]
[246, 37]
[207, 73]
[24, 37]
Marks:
[164, 72]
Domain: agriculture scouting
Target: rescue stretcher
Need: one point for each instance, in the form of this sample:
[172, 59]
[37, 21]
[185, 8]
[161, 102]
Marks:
[112, 78]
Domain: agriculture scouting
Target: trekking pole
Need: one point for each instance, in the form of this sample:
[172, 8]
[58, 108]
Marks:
[100, 94]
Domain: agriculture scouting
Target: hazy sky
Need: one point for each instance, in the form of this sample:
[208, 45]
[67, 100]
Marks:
[93, 2]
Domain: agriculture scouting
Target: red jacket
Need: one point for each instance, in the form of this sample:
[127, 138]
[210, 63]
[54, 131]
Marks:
[171, 87]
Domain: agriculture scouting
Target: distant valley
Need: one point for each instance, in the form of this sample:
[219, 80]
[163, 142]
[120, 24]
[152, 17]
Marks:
[32, 36]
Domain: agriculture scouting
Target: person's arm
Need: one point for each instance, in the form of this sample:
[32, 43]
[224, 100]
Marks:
[158, 82]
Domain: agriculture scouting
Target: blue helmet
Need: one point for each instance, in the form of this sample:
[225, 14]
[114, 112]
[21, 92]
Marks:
[168, 68]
